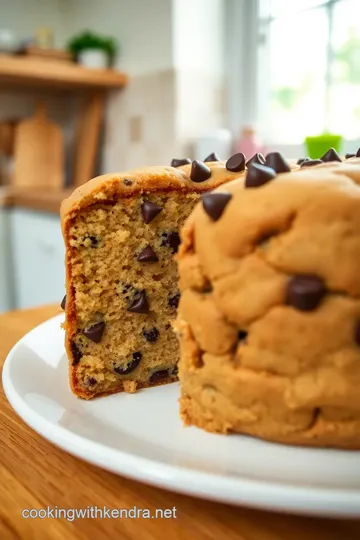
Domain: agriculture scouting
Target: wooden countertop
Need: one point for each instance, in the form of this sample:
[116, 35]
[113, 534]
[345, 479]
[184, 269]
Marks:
[36, 474]
[33, 198]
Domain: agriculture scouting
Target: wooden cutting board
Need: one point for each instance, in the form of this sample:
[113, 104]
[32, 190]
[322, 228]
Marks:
[39, 152]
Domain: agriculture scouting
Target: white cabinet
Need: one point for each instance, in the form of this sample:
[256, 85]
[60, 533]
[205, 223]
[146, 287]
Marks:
[38, 258]
[6, 281]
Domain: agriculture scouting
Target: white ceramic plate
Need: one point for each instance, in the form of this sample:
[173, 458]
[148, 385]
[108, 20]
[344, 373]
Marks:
[141, 436]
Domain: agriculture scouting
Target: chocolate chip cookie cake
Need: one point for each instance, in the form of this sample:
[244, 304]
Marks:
[121, 232]
[269, 314]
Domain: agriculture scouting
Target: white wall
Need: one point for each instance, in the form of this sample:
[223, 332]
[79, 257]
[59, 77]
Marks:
[143, 29]
[24, 17]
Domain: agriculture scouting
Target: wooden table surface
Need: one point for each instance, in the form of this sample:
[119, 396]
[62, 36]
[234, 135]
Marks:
[36, 474]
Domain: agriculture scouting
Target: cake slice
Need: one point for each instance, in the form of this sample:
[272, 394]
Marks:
[121, 234]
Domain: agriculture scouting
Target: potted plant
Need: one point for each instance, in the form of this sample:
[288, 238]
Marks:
[92, 50]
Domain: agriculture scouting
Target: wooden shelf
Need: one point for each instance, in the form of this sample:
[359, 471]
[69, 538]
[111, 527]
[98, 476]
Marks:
[36, 198]
[17, 70]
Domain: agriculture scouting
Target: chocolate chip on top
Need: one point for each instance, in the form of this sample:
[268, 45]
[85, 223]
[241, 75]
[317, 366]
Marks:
[301, 160]
[179, 162]
[348, 156]
[242, 335]
[311, 162]
[95, 332]
[214, 204]
[140, 304]
[63, 302]
[331, 155]
[212, 157]
[127, 182]
[305, 292]
[147, 255]
[150, 210]
[199, 171]
[258, 175]
[358, 153]
[236, 163]
[257, 158]
[276, 161]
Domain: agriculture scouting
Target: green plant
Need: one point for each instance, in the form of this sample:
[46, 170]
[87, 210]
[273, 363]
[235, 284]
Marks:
[89, 40]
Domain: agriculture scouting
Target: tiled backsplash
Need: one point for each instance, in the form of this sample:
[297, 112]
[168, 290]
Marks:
[158, 116]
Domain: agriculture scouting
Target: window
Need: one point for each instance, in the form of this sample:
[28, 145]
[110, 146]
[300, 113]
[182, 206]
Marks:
[308, 69]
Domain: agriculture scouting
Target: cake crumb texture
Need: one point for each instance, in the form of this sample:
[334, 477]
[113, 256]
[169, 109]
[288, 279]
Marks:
[121, 234]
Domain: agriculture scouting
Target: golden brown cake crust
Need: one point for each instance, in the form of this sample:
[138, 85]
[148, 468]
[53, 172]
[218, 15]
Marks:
[251, 361]
[107, 190]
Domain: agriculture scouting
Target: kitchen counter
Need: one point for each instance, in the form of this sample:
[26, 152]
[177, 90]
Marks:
[36, 474]
[33, 198]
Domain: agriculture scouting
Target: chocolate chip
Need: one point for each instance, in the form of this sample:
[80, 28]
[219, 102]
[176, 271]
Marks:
[331, 155]
[305, 292]
[125, 288]
[207, 288]
[236, 163]
[130, 366]
[151, 335]
[179, 162]
[358, 153]
[91, 381]
[94, 241]
[95, 332]
[357, 332]
[174, 300]
[257, 158]
[242, 335]
[127, 182]
[215, 203]
[301, 160]
[171, 240]
[76, 353]
[199, 171]
[147, 255]
[276, 161]
[212, 157]
[310, 162]
[150, 210]
[258, 175]
[159, 376]
[175, 370]
[348, 156]
[63, 302]
[140, 303]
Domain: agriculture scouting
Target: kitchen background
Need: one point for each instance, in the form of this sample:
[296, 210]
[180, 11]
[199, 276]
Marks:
[188, 77]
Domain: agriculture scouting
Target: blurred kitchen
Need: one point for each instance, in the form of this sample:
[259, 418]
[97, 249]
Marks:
[95, 86]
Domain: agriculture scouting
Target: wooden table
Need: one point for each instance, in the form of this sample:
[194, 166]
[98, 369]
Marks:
[36, 474]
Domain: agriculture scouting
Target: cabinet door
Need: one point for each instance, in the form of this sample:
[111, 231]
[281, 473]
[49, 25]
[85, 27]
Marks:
[38, 258]
[6, 274]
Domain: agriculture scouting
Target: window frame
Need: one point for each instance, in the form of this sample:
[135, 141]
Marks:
[245, 57]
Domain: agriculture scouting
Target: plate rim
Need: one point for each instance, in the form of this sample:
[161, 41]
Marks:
[242, 491]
